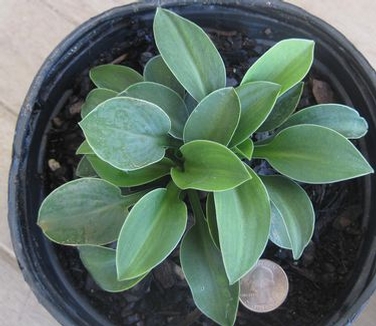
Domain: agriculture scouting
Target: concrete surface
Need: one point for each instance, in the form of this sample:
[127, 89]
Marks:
[29, 30]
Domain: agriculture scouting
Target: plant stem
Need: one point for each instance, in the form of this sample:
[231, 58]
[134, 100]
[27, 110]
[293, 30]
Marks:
[196, 205]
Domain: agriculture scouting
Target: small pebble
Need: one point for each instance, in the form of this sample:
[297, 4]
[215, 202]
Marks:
[75, 108]
[322, 92]
[53, 164]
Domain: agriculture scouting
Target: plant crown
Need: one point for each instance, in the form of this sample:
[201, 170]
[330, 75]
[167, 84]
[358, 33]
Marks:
[176, 136]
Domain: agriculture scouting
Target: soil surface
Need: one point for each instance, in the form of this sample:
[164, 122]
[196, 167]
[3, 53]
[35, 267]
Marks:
[317, 281]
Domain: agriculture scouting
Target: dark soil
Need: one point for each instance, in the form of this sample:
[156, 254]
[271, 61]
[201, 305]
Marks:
[317, 280]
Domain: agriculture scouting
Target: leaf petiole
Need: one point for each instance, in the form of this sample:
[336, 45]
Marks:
[196, 205]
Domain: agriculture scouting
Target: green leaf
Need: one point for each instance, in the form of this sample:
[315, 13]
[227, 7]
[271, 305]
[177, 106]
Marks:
[214, 118]
[313, 154]
[293, 214]
[243, 218]
[189, 53]
[278, 232]
[157, 71]
[84, 149]
[211, 219]
[190, 102]
[127, 133]
[209, 166]
[245, 149]
[114, 77]
[85, 169]
[101, 264]
[85, 211]
[94, 98]
[131, 178]
[152, 230]
[204, 271]
[286, 63]
[257, 100]
[283, 108]
[168, 100]
[340, 118]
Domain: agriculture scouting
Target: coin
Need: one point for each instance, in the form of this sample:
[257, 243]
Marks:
[265, 287]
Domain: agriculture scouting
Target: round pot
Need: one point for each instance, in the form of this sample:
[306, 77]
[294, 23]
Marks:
[346, 70]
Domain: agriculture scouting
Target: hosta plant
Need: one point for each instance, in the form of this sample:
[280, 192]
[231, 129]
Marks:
[177, 142]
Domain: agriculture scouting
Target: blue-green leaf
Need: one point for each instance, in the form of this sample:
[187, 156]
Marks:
[190, 102]
[340, 118]
[114, 77]
[151, 231]
[127, 133]
[157, 71]
[283, 108]
[286, 63]
[245, 149]
[101, 264]
[293, 214]
[211, 219]
[214, 118]
[85, 211]
[189, 53]
[85, 169]
[313, 154]
[243, 218]
[130, 178]
[209, 166]
[84, 149]
[94, 98]
[168, 100]
[204, 271]
[257, 100]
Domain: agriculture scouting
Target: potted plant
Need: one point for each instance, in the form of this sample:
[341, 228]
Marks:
[185, 148]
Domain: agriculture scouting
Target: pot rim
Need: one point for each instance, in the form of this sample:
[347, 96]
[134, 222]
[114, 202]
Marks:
[288, 11]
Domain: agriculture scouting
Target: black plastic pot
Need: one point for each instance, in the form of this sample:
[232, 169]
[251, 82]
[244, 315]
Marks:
[348, 72]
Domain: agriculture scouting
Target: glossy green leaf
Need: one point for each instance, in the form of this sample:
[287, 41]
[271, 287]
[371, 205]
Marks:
[85, 169]
[131, 178]
[293, 214]
[84, 148]
[101, 264]
[211, 219]
[204, 271]
[209, 166]
[313, 154]
[94, 98]
[286, 63]
[243, 218]
[283, 108]
[189, 53]
[127, 133]
[257, 100]
[114, 77]
[168, 100]
[340, 118]
[214, 118]
[85, 211]
[157, 71]
[245, 149]
[152, 230]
